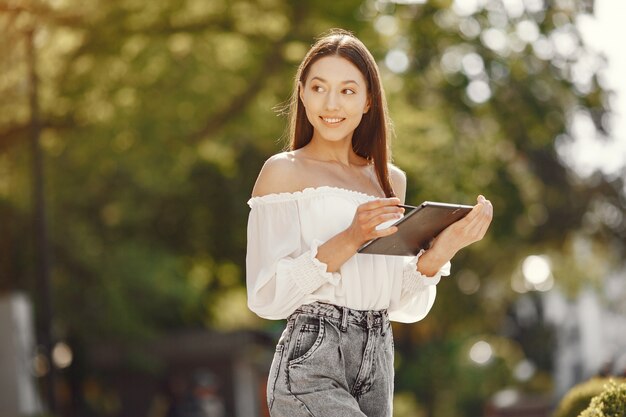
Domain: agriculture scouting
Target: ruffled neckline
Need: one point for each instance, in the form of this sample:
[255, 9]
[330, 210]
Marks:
[309, 192]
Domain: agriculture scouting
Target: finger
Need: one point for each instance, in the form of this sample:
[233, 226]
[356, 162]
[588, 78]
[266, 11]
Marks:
[473, 214]
[488, 207]
[380, 202]
[382, 218]
[483, 222]
[475, 219]
[487, 218]
[473, 229]
[367, 215]
[386, 209]
[485, 205]
[485, 227]
[386, 232]
[481, 232]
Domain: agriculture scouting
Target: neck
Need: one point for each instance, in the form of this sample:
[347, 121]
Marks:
[340, 151]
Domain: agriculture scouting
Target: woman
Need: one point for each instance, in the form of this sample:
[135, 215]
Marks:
[312, 208]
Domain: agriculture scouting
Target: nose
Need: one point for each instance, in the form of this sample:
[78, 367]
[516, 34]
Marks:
[332, 101]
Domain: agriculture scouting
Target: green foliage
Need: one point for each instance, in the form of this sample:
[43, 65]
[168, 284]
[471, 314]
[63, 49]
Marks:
[611, 402]
[588, 398]
[579, 397]
[157, 116]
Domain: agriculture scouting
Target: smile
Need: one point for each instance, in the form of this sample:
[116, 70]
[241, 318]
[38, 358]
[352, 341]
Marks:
[332, 120]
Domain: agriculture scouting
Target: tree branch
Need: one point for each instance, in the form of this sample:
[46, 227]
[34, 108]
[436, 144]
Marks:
[17, 133]
[240, 101]
[41, 13]
[271, 63]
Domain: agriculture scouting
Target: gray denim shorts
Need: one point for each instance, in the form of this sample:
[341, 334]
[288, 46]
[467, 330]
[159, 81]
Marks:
[333, 361]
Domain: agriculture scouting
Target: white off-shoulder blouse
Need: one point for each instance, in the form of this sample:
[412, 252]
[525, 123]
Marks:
[283, 273]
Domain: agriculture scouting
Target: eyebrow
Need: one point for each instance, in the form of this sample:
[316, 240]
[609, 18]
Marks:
[343, 82]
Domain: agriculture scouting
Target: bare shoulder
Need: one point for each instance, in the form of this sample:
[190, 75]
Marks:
[278, 175]
[398, 180]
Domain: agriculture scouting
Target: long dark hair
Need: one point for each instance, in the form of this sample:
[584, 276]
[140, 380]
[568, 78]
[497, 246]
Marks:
[370, 137]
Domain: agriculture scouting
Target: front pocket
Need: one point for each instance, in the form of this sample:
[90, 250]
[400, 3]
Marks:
[309, 336]
[273, 375]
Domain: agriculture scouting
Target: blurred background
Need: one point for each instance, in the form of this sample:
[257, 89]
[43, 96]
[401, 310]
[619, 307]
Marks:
[131, 133]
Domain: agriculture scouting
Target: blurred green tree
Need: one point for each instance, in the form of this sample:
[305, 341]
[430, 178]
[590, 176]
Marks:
[158, 115]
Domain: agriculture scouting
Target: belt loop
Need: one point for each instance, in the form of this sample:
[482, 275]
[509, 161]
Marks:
[370, 320]
[344, 319]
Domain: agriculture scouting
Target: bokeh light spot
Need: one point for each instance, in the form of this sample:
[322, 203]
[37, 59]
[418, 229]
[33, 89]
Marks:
[481, 352]
[397, 61]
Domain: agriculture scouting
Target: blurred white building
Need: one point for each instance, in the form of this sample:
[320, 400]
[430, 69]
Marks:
[18, 396]
[590, 332]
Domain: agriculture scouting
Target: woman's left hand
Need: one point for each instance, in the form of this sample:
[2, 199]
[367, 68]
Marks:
[466, 231]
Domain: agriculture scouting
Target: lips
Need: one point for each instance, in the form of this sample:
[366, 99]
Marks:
[332, 120]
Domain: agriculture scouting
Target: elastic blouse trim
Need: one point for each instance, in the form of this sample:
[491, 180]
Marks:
[308, 192]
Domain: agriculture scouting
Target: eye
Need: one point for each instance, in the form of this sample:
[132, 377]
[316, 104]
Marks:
[349, 91]
[317, 88]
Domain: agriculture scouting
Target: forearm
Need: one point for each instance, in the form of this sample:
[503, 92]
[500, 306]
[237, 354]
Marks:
[336, 251]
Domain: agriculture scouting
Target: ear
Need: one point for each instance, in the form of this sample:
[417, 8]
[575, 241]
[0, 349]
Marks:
[368, 103]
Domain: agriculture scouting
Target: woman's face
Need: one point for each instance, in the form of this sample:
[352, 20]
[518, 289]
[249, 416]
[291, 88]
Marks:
[335, 97]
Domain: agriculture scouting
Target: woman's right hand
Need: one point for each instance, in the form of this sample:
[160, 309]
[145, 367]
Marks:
[369, 216]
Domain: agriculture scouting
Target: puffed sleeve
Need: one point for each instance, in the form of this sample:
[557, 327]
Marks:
[280, 273]
[418, 292]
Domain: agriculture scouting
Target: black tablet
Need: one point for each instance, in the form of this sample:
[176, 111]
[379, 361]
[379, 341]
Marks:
[417, 229]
